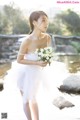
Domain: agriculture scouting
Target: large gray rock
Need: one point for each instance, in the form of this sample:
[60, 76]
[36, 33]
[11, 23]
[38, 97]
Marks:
[71, 84]
[61, 103]
[73, 81]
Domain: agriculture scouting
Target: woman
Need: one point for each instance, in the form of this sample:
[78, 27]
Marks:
[29, 71]
[30, 65]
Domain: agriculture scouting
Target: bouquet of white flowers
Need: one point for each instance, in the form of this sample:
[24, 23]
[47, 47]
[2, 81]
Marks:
[45, 54]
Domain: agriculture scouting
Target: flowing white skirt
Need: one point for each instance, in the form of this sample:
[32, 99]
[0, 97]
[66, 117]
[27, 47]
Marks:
[51, 77]
[28, 78]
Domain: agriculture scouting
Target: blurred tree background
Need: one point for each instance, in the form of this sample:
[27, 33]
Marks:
[13, 21]
[66, 23]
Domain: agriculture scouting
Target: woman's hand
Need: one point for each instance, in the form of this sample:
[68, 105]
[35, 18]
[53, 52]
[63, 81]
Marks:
[41, 63]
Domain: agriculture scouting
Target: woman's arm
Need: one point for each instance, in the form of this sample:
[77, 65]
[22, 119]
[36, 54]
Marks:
[22, 51]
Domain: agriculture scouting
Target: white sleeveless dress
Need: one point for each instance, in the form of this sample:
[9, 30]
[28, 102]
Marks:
[29, 77]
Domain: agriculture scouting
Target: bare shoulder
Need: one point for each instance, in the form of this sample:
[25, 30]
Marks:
[26, 41]
[48, 38]
[24, 46]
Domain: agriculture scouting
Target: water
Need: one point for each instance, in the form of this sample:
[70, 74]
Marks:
[11, 100]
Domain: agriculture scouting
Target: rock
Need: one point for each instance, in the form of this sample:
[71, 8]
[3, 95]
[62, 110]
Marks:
[61, 103]
[10, 49]
[1, 84]
[66, 49]
[1, 87]
[66, 89]
[71, 84]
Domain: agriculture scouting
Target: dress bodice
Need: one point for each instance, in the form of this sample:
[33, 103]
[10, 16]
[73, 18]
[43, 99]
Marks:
[31, 56]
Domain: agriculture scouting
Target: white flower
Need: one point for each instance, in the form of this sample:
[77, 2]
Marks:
[42, 50]
[47, 58]
[45, 54]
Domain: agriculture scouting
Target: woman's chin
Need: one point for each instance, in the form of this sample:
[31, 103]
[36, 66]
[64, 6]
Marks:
[44, 31]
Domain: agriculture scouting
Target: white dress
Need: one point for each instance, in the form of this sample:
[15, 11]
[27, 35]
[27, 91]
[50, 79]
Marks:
[29, 77]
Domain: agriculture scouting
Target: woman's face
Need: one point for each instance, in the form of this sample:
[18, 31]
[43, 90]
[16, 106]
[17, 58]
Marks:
[42, 23]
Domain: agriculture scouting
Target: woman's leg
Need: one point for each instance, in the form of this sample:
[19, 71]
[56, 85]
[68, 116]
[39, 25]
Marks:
[27, 111]
[26, 108]
[34, 110]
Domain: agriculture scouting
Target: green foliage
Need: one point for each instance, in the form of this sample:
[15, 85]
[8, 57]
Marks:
[5, 26]
[54, 28]
[71, 20]
[12, 21]
[76, 45]
[21, 27]
[65, 23]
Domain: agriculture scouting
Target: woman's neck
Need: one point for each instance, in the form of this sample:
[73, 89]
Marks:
[37, 34]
